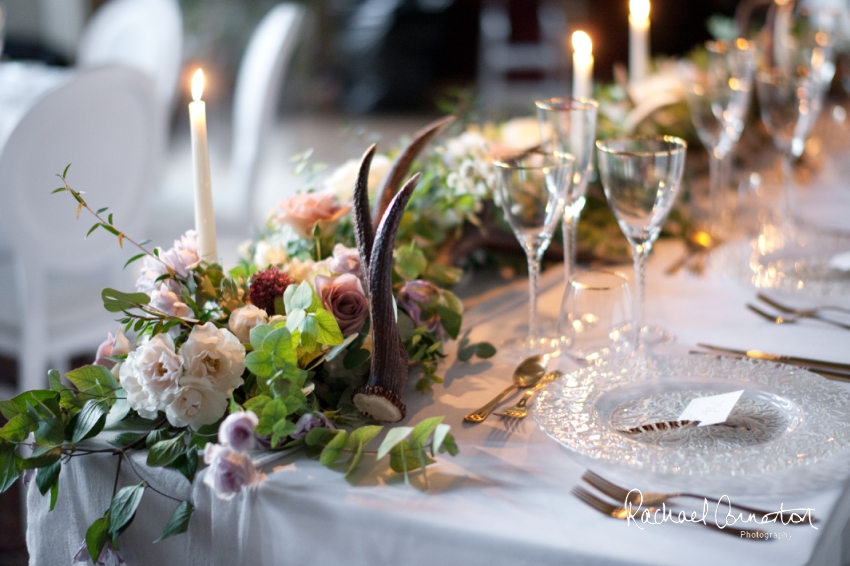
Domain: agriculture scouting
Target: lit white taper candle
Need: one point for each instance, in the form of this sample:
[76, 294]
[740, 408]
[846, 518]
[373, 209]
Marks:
[638, 39]
[582, 65]
[204, 213]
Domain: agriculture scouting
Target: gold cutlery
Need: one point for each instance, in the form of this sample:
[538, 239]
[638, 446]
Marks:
[618, 493]
[623, 514]
[793, 318]
[698, 245]
[520, 410]
[794, 360]
[801, 312]
[834, 375]
[527, 374]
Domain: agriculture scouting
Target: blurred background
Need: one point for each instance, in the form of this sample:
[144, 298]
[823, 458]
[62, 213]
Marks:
[360, 71]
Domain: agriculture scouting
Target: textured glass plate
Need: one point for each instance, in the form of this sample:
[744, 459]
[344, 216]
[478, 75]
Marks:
[794, 265]
[785, 418]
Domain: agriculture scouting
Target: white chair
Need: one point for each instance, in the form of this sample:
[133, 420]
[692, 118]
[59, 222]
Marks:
[144, 34]
[258, 86]
[106, 123]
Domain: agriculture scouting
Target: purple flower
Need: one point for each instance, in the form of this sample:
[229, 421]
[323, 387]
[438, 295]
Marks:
[344, 297]
[228, 471]
[418, 298]
[309, 421]
[117, 345]
[237, 431]
[345, 260]
[108, 555]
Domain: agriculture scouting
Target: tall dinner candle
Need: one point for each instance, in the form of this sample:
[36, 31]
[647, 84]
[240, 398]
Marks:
[204, 214]
[638, 39]
[582, 65]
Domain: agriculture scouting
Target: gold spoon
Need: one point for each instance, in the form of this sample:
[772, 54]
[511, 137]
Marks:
[527, 374]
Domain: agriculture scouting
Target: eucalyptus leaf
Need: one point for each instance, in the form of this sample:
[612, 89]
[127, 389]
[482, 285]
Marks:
[333, 449]
[422, 431]
[440, 433]
[394, 437]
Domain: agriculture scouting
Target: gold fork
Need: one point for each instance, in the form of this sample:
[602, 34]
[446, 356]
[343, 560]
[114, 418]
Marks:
[793, 318]
[520, 410]
[623, 514]
[801, 312]
[618, 493]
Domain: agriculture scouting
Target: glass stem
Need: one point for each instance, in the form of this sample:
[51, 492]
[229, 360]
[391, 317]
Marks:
[788, 183]
[641, 253]
[715, 191]
[533, 281]
[570, 230]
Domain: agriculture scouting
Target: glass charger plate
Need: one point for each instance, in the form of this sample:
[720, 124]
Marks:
[786, 417]
[795, 265]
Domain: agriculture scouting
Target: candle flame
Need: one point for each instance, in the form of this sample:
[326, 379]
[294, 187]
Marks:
[582, 44]
[197, 85]
[639, 9]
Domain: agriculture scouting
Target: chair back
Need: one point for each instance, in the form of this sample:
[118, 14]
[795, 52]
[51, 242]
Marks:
[144, 34]
[258, 86]
[106, 123]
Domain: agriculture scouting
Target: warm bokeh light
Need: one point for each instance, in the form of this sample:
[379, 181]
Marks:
[582, 44]
[197, 85]
[639, 9]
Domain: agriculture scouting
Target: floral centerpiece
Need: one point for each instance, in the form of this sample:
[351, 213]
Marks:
[210, 364]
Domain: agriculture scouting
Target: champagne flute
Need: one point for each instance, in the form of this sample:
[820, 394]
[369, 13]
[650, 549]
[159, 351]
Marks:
[569, 126]
[533, 188]
[641, 178]
[718, 103]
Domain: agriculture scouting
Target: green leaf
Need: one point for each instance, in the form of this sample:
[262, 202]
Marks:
[116, 301]
[54, 495]
[442, 275]
[404, 459]
[287, 297]
[179, 522]
[319, 436]
[394, 437]
[123, 508]
[11, 465]
[50, 431]
[274, 411]
[449, 445]
[42, 457]
[295, 318]
[405, 327]
[65, 174]
[302, 298]
[485, 350]
[279, 344]
[102, 210]
[410, 262]
[450, 320]
[134, 258]
[187, 463]
[96, 380]
[328, 328]
[333, 449]
[309, 333]
[282, 429]
[258, 334]
[355, 358]
[126, 438]
[166, 451]
[155, 436]
[17, 429]
[339, 348]
[97, 535]
[357, 441]
[46, 477]
[422, 431]
[18, 404]
[260, 363]
[90, 420]
[440, 433]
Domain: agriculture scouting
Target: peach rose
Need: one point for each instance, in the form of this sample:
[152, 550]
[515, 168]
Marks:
[302, 212]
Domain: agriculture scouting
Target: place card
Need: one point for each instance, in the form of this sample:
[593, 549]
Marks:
[711, 410]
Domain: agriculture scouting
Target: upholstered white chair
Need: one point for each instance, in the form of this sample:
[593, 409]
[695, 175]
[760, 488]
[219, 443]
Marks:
[144, 34]
[258, 86]
[106, 123]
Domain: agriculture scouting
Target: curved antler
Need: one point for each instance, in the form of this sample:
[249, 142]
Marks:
[363, 232]
[380, 397]
[402, 163]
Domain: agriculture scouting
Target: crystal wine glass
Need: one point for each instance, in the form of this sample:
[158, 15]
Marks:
[641, 178]
[718, 102]
[533, 188]
[569, 126]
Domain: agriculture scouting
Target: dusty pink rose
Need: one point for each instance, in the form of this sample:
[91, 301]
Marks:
[302, 212]
[345, 260]
[343, 296]
[237, 431]
[117, 345]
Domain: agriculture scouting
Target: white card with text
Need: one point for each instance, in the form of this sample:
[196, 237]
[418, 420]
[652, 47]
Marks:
[711, 410]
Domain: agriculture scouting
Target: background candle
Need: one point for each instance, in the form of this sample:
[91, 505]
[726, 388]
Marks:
[638, 39]
[582, 65]
[204, 213]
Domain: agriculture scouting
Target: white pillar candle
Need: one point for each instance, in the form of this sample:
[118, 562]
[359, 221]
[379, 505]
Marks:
[638, 39]
[204, 213]
[582, 65]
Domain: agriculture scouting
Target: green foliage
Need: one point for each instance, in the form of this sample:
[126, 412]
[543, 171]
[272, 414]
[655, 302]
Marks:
[97, 535]
[179, 522]
[305, 314]
[11, 465]
[164, 452]
[122, 511]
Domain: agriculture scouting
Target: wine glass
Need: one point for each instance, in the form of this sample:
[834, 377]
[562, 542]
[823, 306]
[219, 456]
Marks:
[718, 102]
[533, 189]
[569, 126]
[641, 178]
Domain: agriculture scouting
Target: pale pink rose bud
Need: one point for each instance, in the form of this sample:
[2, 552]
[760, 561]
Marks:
[113, 346]
[228, 471]
[237, 431]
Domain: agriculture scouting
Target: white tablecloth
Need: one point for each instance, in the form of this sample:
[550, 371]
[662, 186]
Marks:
[505, 499]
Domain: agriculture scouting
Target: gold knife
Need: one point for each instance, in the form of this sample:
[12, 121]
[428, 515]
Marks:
[834, 375]
[756, 354]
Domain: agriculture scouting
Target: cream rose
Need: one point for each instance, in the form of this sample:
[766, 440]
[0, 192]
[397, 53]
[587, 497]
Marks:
[341, 181]
[302, 212]
[216, 354]
[243, 319]
[150, 376]
[196, 403]
[265, 255]
[300, 270]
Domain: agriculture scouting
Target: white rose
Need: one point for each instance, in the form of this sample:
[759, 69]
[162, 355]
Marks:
[243, 319]
[520, 133]
[150, 376]
[341, 181]
[300, 270]
[214, 353]
[196, 404]
[266, 255]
